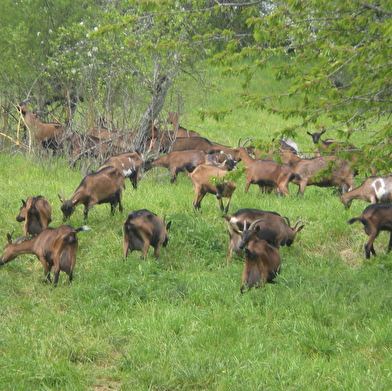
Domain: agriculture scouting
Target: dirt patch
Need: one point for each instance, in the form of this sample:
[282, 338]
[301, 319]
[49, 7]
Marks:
[350, 258]
[106, 385]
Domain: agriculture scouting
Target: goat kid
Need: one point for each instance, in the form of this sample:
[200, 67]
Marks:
[375, 218]
[143, 229]
[203, 177]
[36, 213]
[54, 247]
[374, 189]
[103, 186]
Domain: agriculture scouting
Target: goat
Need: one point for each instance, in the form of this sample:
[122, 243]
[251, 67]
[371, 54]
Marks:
[179, 131]
[143, 229]
[267, 173]
[47, 134]
[289, 145]
[178, 161]
[374, 189]
[102, 132]
[36, 213]
[329, 145]
[307, 170]
[225, 151]
[375, 218]
[103, 186]
[54, 247]
[129, 163]
[275, 229]
[262, 260]
[287, 157]
[186, 143]
[214, 158]
[83, 145]
[202, 178]
[285, 146]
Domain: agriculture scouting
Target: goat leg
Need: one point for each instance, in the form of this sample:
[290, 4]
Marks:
[390, 243]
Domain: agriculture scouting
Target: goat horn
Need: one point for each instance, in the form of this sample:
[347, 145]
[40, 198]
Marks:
[287, 220]
[249, 139]
[239, 142]
[22, 239]
[296, 224]
[254, 224]
[225, 155]
[9, 236]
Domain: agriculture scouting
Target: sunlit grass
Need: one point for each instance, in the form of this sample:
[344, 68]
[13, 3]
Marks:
[180, 322]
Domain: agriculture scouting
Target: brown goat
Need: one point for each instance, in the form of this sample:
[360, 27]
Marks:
[129, 163]
[178, 130]
[84, 145]
[273, 228]
[220, 159]
[329, 145]
[186, 143]
[178, 161]
[48, 134]
[143, 229]
[202, 178]
[262, 260]
[233, 152]
[266, 173]
[307, 170]
[54, 247]
[104, 186]
[374, 189]
[36, 213]
[103, 133]
[375, 218]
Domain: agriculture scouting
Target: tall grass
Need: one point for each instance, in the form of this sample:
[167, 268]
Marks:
[180, 322]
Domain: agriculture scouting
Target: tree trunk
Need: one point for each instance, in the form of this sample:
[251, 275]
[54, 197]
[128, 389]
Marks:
[161, 87]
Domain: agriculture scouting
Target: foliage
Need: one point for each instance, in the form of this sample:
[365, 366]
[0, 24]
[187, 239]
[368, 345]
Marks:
[336, 57]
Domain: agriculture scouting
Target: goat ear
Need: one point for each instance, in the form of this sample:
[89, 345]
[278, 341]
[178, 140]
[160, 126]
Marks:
[256, 228]
[299, 228]
[310, 134]
[24, 202]
[168, 225]
[9, 238]
[60, 198]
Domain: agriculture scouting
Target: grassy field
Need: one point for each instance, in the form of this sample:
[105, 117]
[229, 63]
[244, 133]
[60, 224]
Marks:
[180, 322]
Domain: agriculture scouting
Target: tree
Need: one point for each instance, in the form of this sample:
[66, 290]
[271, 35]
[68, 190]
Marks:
[111, 60]
[337, 58]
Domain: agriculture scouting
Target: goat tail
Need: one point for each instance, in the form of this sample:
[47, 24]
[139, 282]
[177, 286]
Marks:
[83, 228]
[294, 176]
[353, 220]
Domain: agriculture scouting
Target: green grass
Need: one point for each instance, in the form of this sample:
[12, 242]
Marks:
[180, 322]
